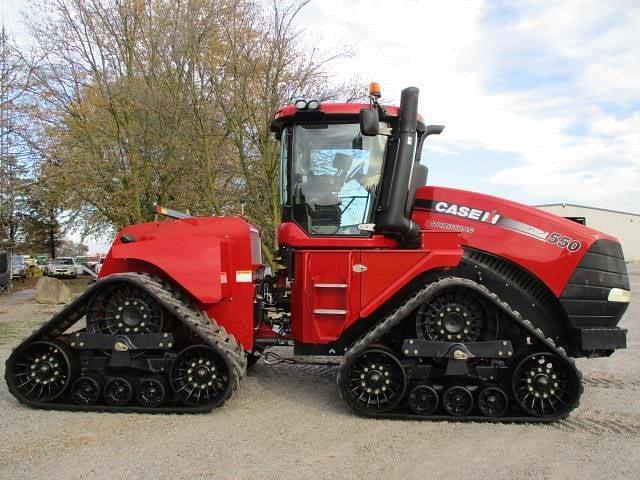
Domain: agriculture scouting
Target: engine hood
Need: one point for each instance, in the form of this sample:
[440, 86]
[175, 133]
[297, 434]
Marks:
[548, 246]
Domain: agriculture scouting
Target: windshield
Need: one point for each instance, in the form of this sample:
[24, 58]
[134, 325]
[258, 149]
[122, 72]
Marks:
[63, 261]
[335, 174]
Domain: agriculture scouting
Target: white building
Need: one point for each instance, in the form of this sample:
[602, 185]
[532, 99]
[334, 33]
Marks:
[624, 226]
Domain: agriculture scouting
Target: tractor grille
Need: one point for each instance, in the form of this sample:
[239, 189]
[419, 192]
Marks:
[585, 298]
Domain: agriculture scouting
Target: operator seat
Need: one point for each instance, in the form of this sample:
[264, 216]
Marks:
[323, 202]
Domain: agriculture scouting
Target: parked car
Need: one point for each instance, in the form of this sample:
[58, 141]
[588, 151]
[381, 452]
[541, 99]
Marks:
[63, 267]
[18, 267]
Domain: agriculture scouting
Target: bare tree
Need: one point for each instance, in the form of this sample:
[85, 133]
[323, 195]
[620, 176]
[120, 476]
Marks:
[15, 162]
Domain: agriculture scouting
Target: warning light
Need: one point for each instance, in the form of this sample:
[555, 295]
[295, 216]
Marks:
[374, 90]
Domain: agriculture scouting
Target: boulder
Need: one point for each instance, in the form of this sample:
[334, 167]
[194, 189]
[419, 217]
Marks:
[52, 291]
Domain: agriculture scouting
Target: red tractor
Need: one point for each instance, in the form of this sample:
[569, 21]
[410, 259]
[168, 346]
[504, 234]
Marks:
[441, 303]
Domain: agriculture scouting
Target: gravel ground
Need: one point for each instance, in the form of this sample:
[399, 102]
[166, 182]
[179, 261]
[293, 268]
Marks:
[288, 422]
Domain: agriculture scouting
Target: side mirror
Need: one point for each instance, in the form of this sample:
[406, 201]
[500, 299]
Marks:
[433, 130]
[369, 122]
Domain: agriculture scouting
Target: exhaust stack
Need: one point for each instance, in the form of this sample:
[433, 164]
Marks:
[393, 220]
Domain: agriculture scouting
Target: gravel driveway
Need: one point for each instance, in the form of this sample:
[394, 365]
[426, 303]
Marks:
[288, 422]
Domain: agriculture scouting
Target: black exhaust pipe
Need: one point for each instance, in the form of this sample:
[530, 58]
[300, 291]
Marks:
[392, 220]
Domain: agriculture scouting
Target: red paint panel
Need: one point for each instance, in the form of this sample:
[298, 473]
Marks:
[203, 256]
[326, 294]
[341, 109]
[322, 309]
[291, 234]
[550, 263]
[199, 274]
[388, 271]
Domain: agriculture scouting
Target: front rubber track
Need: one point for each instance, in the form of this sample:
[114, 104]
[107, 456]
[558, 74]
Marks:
[173, 301]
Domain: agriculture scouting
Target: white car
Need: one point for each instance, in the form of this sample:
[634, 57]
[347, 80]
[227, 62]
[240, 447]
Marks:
[63, 267]
[19, 269]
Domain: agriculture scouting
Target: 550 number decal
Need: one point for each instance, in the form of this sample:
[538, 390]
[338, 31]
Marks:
[564, 242]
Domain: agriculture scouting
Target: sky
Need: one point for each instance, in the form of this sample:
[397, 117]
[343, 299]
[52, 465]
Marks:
[540, 99]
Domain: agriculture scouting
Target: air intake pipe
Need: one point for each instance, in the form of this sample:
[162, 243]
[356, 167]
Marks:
[392, 219]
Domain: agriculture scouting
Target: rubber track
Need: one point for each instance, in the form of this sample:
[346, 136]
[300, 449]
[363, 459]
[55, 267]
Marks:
[173, 301]
[425, 295]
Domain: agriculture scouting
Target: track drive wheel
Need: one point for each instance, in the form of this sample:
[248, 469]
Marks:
[375, 381]
[124, 309]
[456, 315]
[545, 385]
[202, 376]
[40, 371]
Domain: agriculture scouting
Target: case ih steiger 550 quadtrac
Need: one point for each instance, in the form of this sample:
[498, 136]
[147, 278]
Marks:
[442, 303]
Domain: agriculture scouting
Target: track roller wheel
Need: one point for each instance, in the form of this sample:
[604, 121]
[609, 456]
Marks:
[375, 381]
[457, 401]
[423, 400]
[492, 402]
[151, 392]
[41, 371]
[545, 385]
[118, 391]
[202, 375]
[86, 390]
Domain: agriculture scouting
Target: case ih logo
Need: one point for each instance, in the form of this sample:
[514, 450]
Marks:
[467, 212]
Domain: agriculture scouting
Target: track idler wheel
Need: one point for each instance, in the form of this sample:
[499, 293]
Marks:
[545, 385]
[374, 382]
[202, 375]
[492, 402]
[151, 392]
[40, 371]
[86, 390]
[423, 400]
[457, 401]
[118, 392]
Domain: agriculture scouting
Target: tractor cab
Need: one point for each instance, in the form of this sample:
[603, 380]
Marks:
[350, 170]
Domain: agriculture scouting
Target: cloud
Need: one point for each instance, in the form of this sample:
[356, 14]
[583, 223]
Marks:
[551, 84]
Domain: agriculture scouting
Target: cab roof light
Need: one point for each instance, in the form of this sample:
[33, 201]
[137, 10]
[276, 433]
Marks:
[313, 105]
[301, 104]
[374, 90]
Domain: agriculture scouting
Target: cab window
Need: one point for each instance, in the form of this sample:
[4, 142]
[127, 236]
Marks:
[335, 177]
